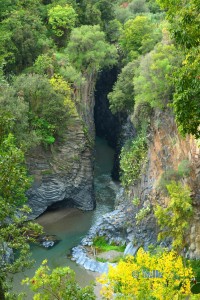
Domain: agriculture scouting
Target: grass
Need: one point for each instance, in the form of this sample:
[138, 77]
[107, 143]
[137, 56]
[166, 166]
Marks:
[100, 259]
[114, 260]
[101, 245]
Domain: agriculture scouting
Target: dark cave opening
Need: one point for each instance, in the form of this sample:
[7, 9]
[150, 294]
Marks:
[107, 125]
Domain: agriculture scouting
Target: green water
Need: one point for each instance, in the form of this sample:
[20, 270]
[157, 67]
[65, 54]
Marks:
[71, 224]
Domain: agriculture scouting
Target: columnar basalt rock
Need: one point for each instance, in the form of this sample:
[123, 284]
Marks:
[63, 172]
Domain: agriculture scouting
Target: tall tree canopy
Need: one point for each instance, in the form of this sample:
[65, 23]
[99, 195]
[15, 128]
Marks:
[88, 50]
[185, 23]
[14, 231]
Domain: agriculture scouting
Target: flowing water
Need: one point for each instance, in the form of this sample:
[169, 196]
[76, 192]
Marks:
[71, 224]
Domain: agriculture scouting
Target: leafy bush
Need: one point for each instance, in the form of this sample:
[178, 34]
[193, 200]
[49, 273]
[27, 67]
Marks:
[151, 81]
[58, 284]
[141, 115]
[146, 276]
[121, 99]
[143, 212]
[133, 157]
[88, 50]
[184, 168]
[139, 36]
[62, 19]
[174, 219]
[176, 175]
[49, 102]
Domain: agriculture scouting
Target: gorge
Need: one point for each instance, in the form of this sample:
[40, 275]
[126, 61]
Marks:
[99, 139]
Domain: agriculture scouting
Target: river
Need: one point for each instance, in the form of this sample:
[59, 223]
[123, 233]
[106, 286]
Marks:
[71, 224]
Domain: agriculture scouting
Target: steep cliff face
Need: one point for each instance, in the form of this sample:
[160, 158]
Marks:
[167, 150]
[63, 172]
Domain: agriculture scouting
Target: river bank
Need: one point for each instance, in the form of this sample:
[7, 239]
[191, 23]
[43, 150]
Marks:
[71, 225]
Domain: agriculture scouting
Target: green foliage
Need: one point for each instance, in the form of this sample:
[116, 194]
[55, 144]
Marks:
[132, 159]
[195, 264]
[152, 77]
[182, 171]
[187, 92]
[138, 6]
[100, 259]
[142, 213]
[113, 31]
[174, 219]
[49, 102]
[44, 64]
[184, 20]
[14, 181]
[121, 99]
[139, 36]
[88, 51]
[57, 284]
[93, 12]
[14, 113]
[101, 245]
[62, 19]
[141, 115]
[14, 230]
[106, 9]
[136, 201]
[23, 37]
[90, 14]
[184, 168]
[153, 6]
[123, 14]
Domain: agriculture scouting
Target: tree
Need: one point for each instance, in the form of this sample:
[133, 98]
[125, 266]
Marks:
[185, 22]
[187, 94]
[136, 34]
[106, 8]
[88, 51]
[152, 81]
[15, 233]
[13, 113]
[138, 6]
[23, 38]
[62, 19]
[145, 276]
[132, 159]
[174, 219]
[57, 284]
[50, 105]
[121, 99]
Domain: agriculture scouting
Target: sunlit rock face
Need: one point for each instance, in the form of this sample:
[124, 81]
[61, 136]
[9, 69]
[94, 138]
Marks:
[167, 150]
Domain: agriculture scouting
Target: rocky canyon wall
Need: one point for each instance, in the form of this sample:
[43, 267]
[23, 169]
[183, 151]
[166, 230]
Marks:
[64, 170]
[167, 151]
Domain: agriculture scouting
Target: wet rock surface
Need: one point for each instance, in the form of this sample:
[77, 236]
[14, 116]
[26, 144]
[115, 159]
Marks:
[80, 256]
[48, 241]
[6, 254]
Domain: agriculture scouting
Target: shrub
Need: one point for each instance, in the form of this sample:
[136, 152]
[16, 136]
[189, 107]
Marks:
[133, 157]
[58, 284]
[146, 276]
[174, 219]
